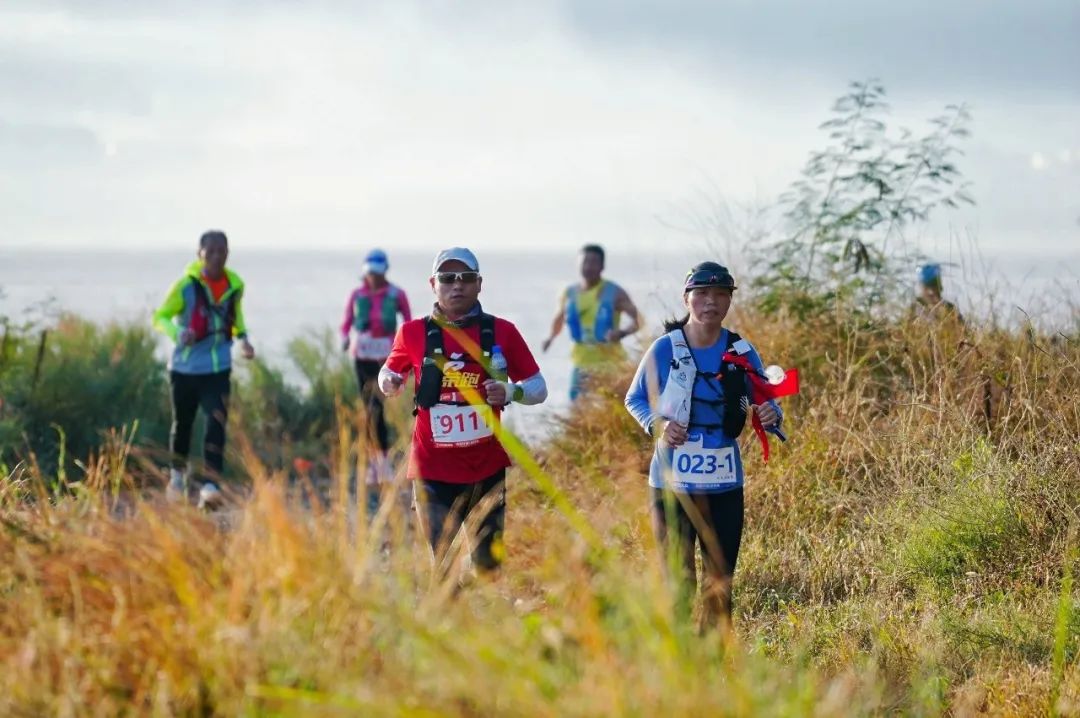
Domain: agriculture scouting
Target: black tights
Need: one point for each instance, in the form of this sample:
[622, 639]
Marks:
[189, 392]
[444, 508]
[716, 527]
[367, 377]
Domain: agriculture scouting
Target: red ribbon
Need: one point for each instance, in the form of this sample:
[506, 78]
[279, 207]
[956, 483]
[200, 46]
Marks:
[761, 391]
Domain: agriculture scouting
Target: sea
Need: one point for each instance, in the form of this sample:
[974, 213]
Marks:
[292, 293]
[303, 293]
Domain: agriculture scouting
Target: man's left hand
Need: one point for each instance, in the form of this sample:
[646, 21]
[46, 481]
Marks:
[247, 350]
[498, 393]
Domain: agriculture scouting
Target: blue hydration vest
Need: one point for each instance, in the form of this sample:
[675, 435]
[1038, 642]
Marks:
[605, 314]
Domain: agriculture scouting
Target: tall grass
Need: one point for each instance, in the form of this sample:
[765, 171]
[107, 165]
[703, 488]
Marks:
[906, 551]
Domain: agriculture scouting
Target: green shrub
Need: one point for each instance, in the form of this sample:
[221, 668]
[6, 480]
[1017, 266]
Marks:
[89, 379]
[966, 527]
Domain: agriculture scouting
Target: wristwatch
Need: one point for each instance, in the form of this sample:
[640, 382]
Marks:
[517, 393]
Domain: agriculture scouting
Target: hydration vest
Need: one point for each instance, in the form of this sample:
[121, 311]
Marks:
[208, 317]
[677, 399]
[429, 388]
[605, 314]
[388, 310]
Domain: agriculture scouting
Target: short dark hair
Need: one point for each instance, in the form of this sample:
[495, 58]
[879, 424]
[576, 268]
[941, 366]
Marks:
[594, 248]
[212, 235]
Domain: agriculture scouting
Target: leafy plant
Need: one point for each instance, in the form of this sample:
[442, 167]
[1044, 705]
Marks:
[854, 199]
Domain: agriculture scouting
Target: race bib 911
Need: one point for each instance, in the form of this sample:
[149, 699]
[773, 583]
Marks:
[694, 466]
[460, 425]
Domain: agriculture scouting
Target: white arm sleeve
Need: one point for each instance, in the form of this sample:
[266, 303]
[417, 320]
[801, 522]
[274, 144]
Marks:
[534, 389]
[390, 382]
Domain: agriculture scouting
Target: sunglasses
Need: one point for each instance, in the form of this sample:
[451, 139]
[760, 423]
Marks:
[451, 277]
[709, 278]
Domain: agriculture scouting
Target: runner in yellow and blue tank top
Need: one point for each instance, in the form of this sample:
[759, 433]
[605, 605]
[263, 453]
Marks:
[592, 311]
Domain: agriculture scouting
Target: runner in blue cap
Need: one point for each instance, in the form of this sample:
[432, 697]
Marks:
[929, 305]
[367, 332]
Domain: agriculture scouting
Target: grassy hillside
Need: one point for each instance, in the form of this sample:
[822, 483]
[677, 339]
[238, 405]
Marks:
[912, 549]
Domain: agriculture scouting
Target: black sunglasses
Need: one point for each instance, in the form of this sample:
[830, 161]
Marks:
[451, 277]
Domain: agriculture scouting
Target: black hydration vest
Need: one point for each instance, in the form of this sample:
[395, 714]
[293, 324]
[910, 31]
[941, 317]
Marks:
[734, 387]
[431, 374]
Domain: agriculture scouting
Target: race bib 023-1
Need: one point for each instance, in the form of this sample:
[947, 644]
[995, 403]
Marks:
[695, 467]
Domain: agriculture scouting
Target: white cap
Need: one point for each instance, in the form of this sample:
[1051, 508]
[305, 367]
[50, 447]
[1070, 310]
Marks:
[461, 254]
[375, 267]
[376, 262]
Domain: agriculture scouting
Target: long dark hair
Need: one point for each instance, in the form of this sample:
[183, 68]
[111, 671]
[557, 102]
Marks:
[674, 323]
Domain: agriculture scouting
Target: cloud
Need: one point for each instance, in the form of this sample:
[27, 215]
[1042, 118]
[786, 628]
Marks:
[925, 46]
[489, 124]
[953, 47]
[47, 146]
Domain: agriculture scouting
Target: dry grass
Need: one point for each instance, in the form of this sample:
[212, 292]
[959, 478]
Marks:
[906, 551]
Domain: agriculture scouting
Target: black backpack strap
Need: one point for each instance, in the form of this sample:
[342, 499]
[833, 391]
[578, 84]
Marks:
[433, 339]
[201, 292]
[487, 334]
[427, 389]
[732, 337]
[736, 393]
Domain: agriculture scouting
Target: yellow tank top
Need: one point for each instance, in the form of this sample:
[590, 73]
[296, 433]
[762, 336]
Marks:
[587, 355]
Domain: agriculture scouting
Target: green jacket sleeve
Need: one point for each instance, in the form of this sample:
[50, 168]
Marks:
[239, 325]
[169, 310]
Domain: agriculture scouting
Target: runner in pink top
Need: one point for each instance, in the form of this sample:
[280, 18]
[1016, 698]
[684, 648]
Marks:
[371, 320]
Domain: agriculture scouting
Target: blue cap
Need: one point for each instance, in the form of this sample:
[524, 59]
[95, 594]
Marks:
[376, 262]
[930, 274]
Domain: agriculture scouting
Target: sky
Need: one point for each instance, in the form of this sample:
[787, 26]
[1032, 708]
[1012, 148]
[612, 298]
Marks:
[508, 124]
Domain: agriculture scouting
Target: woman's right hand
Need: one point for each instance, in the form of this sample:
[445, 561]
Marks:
[673, 434]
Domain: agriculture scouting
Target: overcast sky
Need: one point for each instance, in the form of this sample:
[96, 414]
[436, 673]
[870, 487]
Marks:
[503, 124]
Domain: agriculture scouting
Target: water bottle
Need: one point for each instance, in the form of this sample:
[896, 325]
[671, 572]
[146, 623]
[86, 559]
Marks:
[498, 364]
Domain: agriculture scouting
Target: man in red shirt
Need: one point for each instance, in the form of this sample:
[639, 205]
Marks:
[456, 460]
